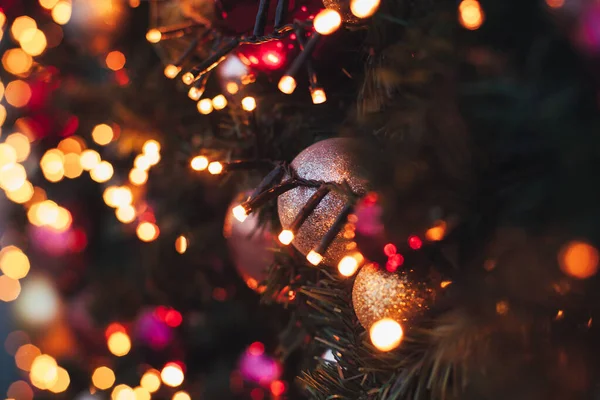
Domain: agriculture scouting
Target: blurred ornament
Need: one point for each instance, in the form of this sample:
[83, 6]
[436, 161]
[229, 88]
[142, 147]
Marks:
[379, 294]
[249, 244]
[329, 160]
[256, 366]
[343, 8]
[151, 330]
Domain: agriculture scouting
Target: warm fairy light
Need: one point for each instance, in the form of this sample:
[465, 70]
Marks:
[119, 344]
[102, 172]
[327, 21]
[52, 162]
[437, 232]
[239, 212]
[103, 134]
[22, 194]
[470, 14]
[187, 78]
[16, 61]
[172, 375]
[20, 143]
[142, 161]
[171, 71]
[103, 378]
[232, 87]
[73, 144]
[314, 258]
[153, 36]
[151, 147]
[2, 19]
[140, 393]
[116, 197]
[48, 4]
[72, 166]
[445, 284]
[122, 392]
[199, 163]
[19, 390]
[150, 380]
[25, 356]
[17, 93]
[205, 106]
[138, 176]
[62, 381]
[181, 396]
[195, 93]
[287, 84]
[35, 44]
[181, 244]
[147, 231]
[61, 13]
[125, 214]
[3, 112]
[89, 159]
[249, 103]
[555, 3]
[364, 8]
[63, 220]
[12, 177]
[219, 102]
[44, 372]
[8, 155]
[350, 263]
[386, 334]
[215, 168]
[579, 260]
[46, 213]
[115, 60]
[285, 237]
[9, 288]
[318, 96]
[22, 27]
[14, 263]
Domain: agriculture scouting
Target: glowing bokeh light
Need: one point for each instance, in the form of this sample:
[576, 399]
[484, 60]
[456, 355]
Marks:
[138, 176]
[239, 213]
[199, 163]
[122, 392]
[150, 380]
[102, 172]
[151, 146]
[364, 8]
[44, 372]
[20, 390]
[9, 288]
[17, 93]
[16, 61]
[72, 166]
[314, 258]
[48, 4]
[215, 168]
[287, 84]
[89, 159]
[327, 21]
[38, 303]
[579, 260]
[3, 112]
[153, 158]
[8, 155]
[61, 13]
[125, 214]
[153, 36]
[181, 395]
[205, 106]
[181, 244]
[62, 381]
[470, 14]
[73, 144]
[147, 231]
[20, 143]
[285, 237]
[232, 87]
[36, 44]
[12, 177]
[172, 375]
[115, 60]
[318, 96]
[22, 194]
[14, 263]
[219, 102]
[103, 134]
[143, 162]
[195, 93]
[141, 394]
[119, 344]
[386, 334]
[249, 103]
[171, 71]
[22, 26]
[349, 264]
[103, 378]
[25, 355]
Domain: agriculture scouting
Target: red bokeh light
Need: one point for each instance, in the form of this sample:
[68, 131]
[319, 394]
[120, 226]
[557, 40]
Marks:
[390, 249]
[173, 318]
[394, 262]
[415, 242]
[114, 328]
[257, 394]
[256, 349]
[277, 388]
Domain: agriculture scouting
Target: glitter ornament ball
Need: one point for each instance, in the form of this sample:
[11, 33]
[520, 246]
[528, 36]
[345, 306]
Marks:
[249, 245]
[379, 294]
[329, 160]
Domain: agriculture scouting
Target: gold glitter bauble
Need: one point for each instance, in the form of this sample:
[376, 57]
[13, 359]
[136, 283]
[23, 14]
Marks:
[343, 8]
[329, 161]
[379, 294]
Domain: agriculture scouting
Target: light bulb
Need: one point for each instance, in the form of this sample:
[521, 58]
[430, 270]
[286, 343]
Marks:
[195, 93]
[287, 84]
[318, 96]
[286, 236]
[205, 106]
[249, 103]
[364, 8]
[187, 78]
[199, 163]
[349, 264]
[386, 334]
[239, 212]
[153, 36]
[314, 258]
[171, 71]
[219, 102]
[327, 21]
[215, 168]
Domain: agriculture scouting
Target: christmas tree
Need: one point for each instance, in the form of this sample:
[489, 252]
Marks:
[299, 199]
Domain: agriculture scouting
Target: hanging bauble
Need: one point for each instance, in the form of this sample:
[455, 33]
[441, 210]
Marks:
[249, 244]
[329, 160]
[343, 8]
[402, 296]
